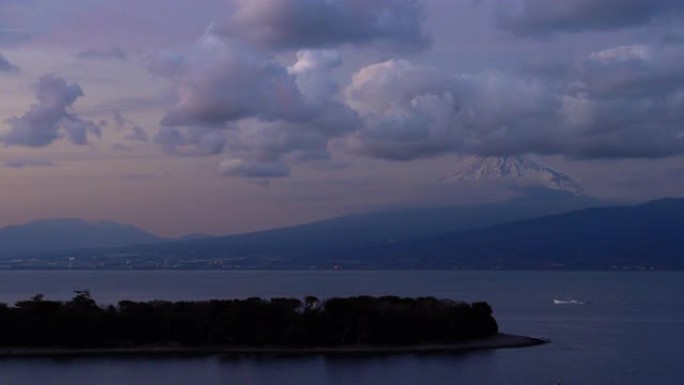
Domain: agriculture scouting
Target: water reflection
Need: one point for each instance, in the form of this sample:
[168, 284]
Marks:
[403, 369]
[630, 332]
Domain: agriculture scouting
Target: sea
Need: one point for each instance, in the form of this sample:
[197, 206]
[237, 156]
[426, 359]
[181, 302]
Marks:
[605, 328]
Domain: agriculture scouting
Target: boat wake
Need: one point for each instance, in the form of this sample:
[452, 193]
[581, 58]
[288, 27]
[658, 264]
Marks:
[567, 301]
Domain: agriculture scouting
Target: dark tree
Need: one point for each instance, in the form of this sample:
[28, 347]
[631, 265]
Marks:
[355, 321]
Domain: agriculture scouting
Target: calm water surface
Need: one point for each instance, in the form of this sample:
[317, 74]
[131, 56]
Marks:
[629, 329]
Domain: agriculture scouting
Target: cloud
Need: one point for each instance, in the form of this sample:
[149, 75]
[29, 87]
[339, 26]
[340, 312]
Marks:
[296, 24]
[134, 133]
[25, 163]
[221, 81]
[627, 101]
[119, 119]
[51, 117]
[137, 134]
[243, 102]
[271, 141]
[412, 111]
[312, 74]
[623, 102]
[252, 169]
[543, 17]
[309, 61]
[633, 71]
[131, 104]
[190, 141]
[6, 66]
[114, 53]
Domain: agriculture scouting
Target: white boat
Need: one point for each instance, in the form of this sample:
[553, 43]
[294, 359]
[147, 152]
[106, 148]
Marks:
[567, 301]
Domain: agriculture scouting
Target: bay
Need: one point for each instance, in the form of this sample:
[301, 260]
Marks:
[625, 328]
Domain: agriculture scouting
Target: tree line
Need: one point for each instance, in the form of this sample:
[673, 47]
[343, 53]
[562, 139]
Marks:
[282, 322]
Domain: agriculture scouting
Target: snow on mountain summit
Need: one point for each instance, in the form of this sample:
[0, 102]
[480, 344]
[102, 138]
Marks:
[511, 169]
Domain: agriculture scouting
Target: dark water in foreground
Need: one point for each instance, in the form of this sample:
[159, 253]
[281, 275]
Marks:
[629, 329]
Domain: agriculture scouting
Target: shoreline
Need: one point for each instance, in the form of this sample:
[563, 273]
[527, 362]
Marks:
[499, 341]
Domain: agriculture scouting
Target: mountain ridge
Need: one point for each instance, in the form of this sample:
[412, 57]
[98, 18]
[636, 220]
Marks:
[55, 234]
[408, 222]
[515, 170]
[618, 237]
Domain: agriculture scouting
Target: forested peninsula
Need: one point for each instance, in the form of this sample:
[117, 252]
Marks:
[280, 325]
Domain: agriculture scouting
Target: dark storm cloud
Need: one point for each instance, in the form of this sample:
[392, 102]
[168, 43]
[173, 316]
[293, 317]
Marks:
[543, 17]
[295, 24]
[6, 66]
[51, 117]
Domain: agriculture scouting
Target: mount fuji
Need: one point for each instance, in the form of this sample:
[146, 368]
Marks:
[515, 170]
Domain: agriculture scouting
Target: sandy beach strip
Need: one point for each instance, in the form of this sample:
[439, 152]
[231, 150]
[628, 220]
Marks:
[500, 341]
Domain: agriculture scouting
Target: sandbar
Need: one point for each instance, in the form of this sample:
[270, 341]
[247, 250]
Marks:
[499, 341]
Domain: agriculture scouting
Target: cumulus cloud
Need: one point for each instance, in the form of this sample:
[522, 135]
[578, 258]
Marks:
[113, 53]
[320, 90]
[311, 61]
[6, 66]
[541, 17]
[625, 101]
[51, 117]
[633, 71]
[269, 141]
[242, 102]
[295, 24]
[414, 111]
[222, 81]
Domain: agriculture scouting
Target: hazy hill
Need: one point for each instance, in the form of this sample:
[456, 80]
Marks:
[69, 233]
[648, 235]
[281, 247]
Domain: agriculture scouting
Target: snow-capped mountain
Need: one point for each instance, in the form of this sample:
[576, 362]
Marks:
[516, 170]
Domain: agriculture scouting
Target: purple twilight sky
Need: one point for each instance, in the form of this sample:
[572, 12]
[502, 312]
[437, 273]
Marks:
[225, 116]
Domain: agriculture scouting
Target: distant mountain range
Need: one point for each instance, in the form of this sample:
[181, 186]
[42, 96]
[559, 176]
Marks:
[500, 236]
[638, 237]
[357, 231]
[52, 235]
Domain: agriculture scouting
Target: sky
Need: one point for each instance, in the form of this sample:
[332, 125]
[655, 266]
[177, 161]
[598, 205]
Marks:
[225, 116]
